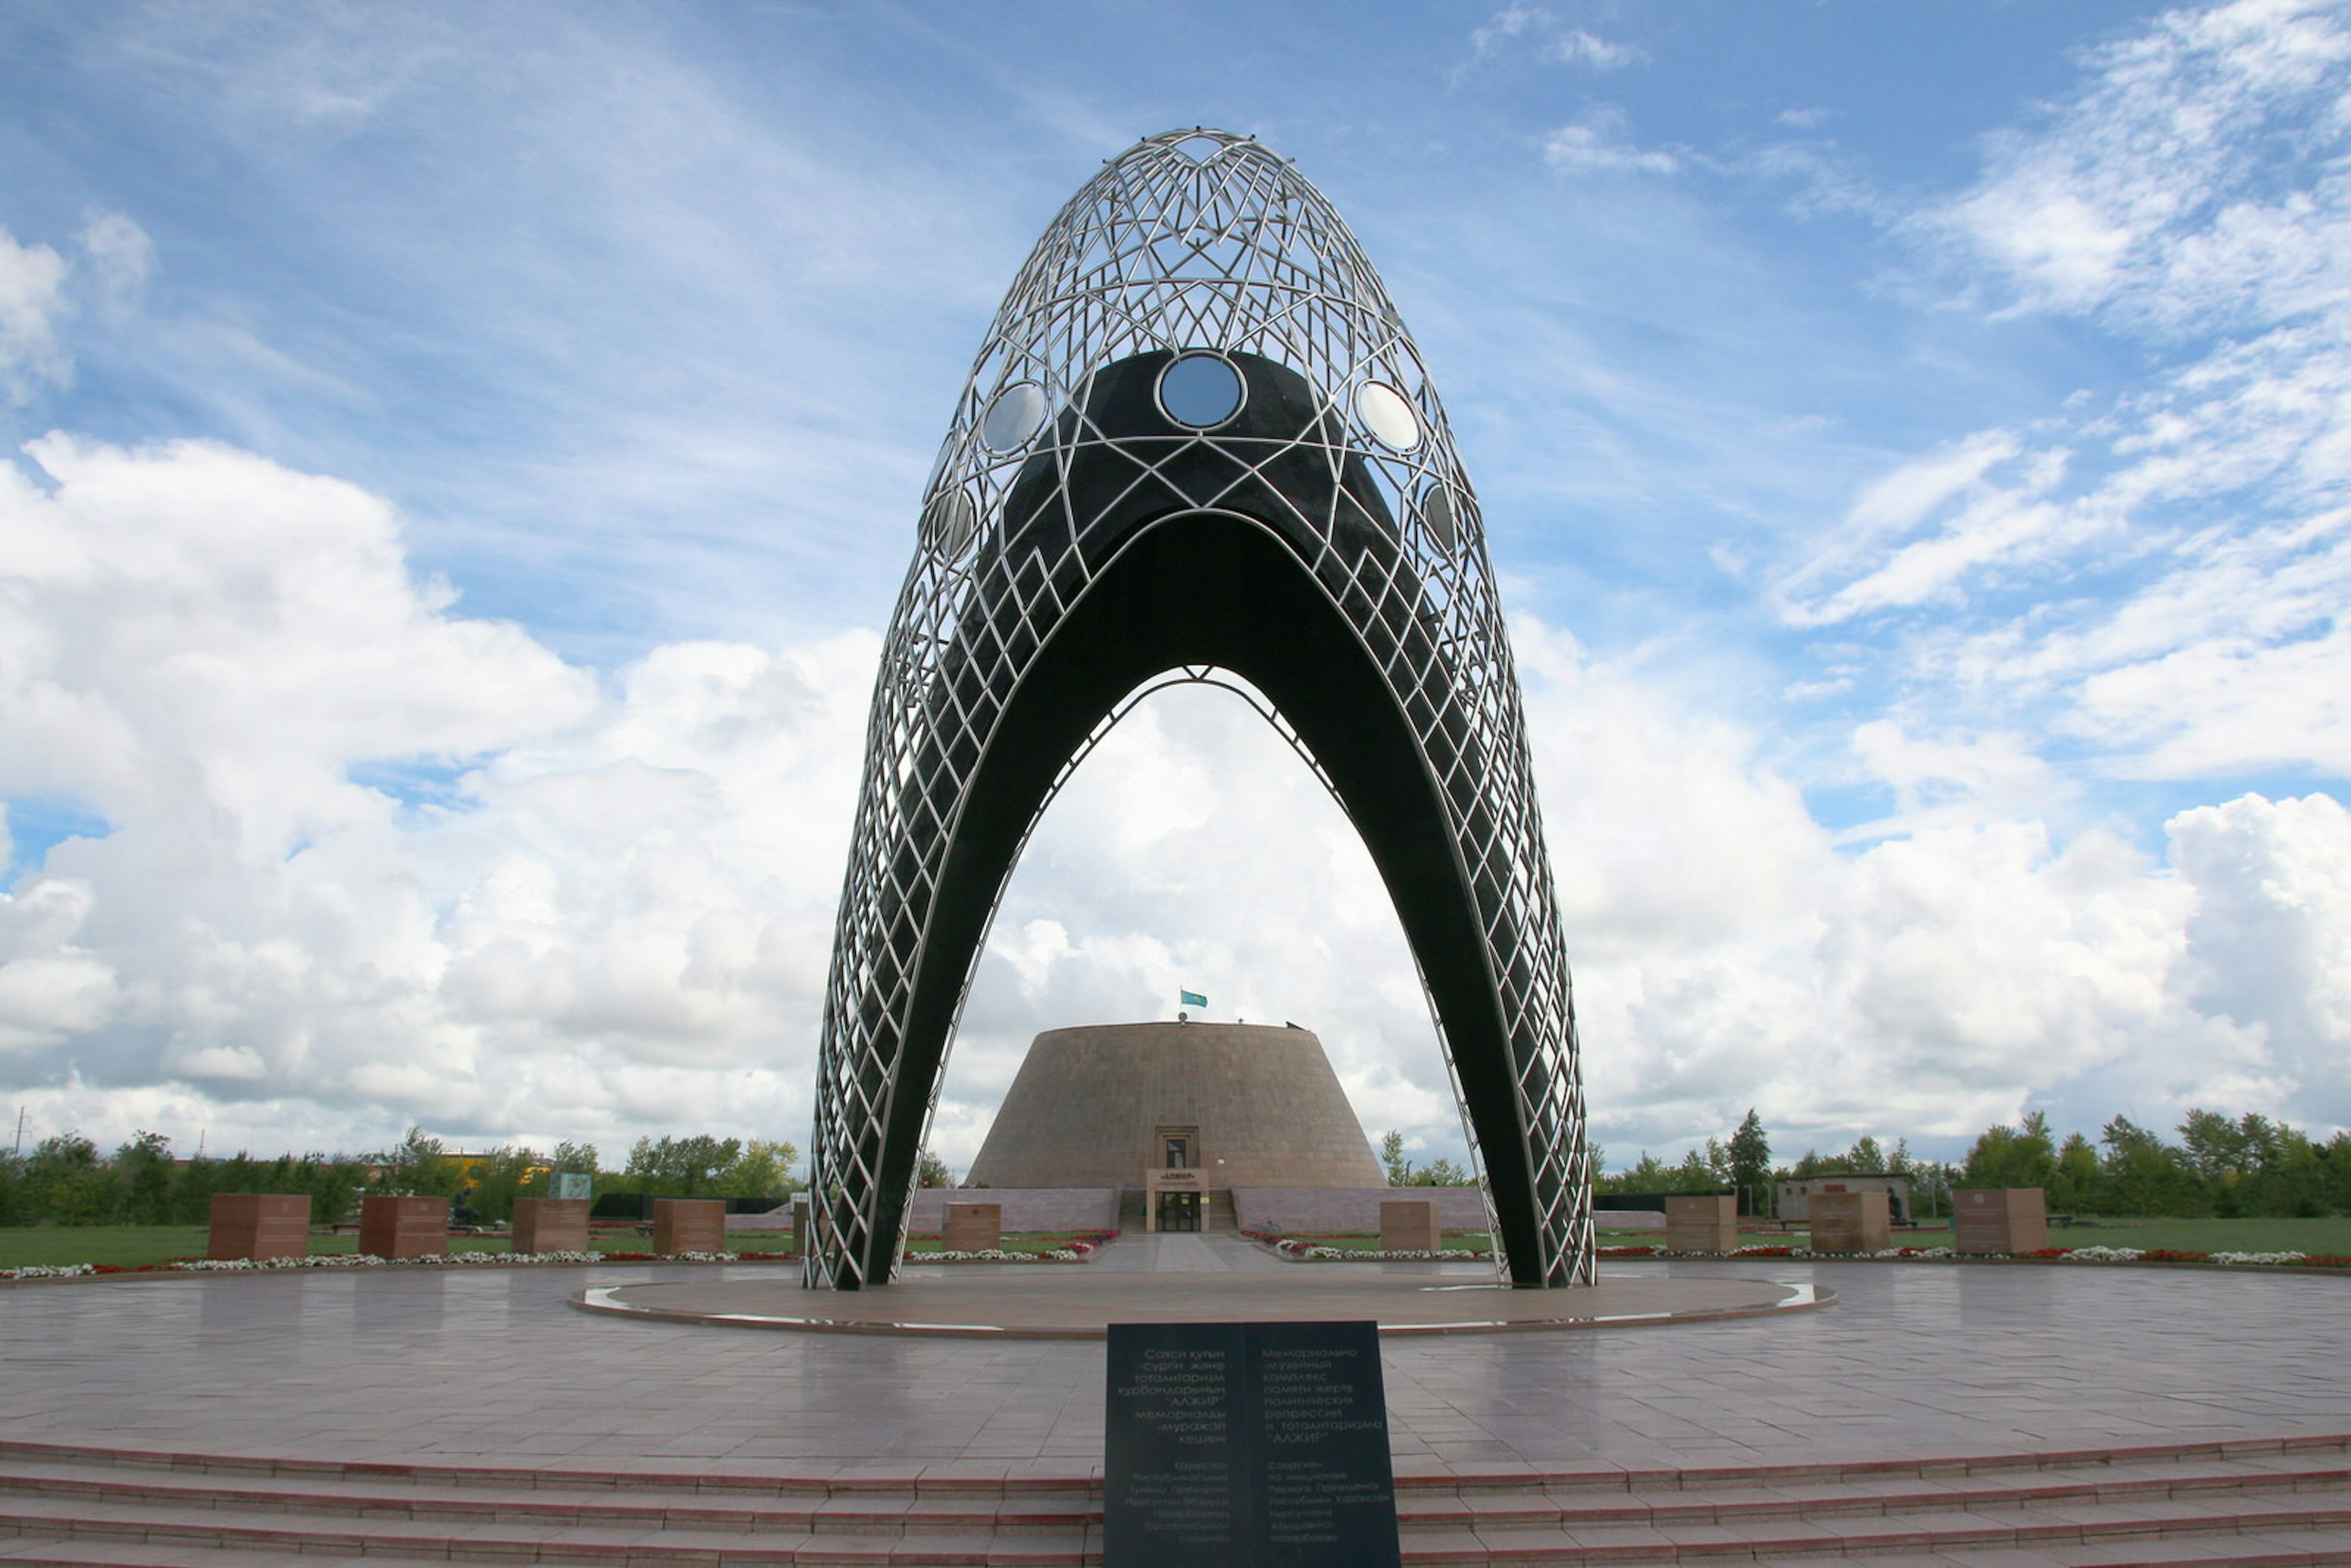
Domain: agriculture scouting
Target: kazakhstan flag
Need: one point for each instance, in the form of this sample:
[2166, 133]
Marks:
[1190, 1000]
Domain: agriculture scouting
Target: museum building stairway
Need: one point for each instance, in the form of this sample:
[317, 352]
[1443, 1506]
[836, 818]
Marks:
[2285, 1502]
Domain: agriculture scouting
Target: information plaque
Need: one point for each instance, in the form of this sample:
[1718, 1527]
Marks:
[1247, 1445]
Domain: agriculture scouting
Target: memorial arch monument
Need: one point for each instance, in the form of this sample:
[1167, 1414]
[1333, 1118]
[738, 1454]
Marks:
[1198, 444]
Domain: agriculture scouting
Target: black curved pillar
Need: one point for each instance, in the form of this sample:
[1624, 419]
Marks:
[1198, 440]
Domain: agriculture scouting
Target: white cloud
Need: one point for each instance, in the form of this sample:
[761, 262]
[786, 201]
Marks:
[2160, 158]
[1553, 40]
[615, 910]
[1597, 145]
[610, 910]
[122, 257]
[32, 297]
[2154, 573]
[1575, 47]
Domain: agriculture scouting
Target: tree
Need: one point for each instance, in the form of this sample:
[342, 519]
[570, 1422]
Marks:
[1866, 1159]
[1392, 1160]
[2075, 1188]
[1443, 1172]
[421, 1166]
[764, 1169]
[144, 1164]
[680, 1167]
[66, 1183]
[2143, 1175]
[932, 1171]
[1751, 1161]
[2022, 1155]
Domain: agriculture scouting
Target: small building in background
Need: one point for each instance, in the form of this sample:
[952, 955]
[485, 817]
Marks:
[1795, 1192]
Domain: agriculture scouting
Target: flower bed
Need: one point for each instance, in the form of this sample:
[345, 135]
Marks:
[1078, 1248]
[369, 1260]
[1301, 1249]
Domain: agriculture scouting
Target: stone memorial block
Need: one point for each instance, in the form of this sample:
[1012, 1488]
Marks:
[800, 1223]
[404, 1227]
[260, 1225]
[1706, 1222]
[2000, 1219]
[1411, 1225]
[1851, 1222]
[1247, 1446]
[550, 1225]
[689, 1225]
[973, 1228]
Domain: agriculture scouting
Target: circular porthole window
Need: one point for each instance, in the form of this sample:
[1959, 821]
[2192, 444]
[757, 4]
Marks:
[1436, 516]
[1200, 390]
[948, 522]
[1387, 414]
[1012, 417]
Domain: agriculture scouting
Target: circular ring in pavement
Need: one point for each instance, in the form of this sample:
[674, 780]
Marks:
[1070, 1301]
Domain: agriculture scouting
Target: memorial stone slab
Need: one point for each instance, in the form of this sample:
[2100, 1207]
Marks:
[1411, 1225]
[689, 1225]
[550, 1225]
[1994, 1220]
[1247, 1446]
[1701, 1222]
[1851, 1222]
[973, 1228]
[404, 1227]
[257, 1225]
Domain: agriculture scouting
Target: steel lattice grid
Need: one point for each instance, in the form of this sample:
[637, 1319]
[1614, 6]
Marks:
[1190, 240]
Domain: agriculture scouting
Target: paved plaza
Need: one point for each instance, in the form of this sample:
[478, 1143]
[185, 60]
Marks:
[495, 1364]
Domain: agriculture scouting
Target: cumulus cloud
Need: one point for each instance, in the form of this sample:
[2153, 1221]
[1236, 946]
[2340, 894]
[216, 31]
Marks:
[372, 856]
[371, 860]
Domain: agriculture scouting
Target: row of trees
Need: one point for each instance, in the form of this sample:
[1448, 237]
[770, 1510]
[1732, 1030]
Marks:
[1402, 1172]
[65, 1180]
[2251, 1165]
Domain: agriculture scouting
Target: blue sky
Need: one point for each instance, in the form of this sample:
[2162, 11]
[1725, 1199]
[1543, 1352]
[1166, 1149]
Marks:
[460, 464]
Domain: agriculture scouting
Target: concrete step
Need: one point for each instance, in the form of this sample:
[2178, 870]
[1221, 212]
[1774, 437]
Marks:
[2284, 1502]
[862, 1512]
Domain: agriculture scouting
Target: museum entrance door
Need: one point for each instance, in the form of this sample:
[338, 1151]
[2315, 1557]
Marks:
[1179, 1211]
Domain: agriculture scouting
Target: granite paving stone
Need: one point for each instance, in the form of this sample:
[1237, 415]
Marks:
[452, 1364]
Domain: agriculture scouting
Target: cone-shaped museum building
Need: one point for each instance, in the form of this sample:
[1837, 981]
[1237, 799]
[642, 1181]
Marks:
[1198, 444]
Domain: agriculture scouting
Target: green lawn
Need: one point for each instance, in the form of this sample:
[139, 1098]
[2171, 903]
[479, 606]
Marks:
[2327, 1236]
[129, 1245]
[2331, 1236]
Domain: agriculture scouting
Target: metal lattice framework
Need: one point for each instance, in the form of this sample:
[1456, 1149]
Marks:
[1091, 534]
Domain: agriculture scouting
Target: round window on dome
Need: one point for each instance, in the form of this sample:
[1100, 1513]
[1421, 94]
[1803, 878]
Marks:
[1387, 414]
[1436, 516]
[1200, 390]
[948, 523]
[1012, 417]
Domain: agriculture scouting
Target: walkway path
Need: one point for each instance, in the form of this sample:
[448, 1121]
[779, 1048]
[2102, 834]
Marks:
[494, 1365]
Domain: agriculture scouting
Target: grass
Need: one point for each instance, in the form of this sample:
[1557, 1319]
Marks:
[2329, 1236]
[131, 1246]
